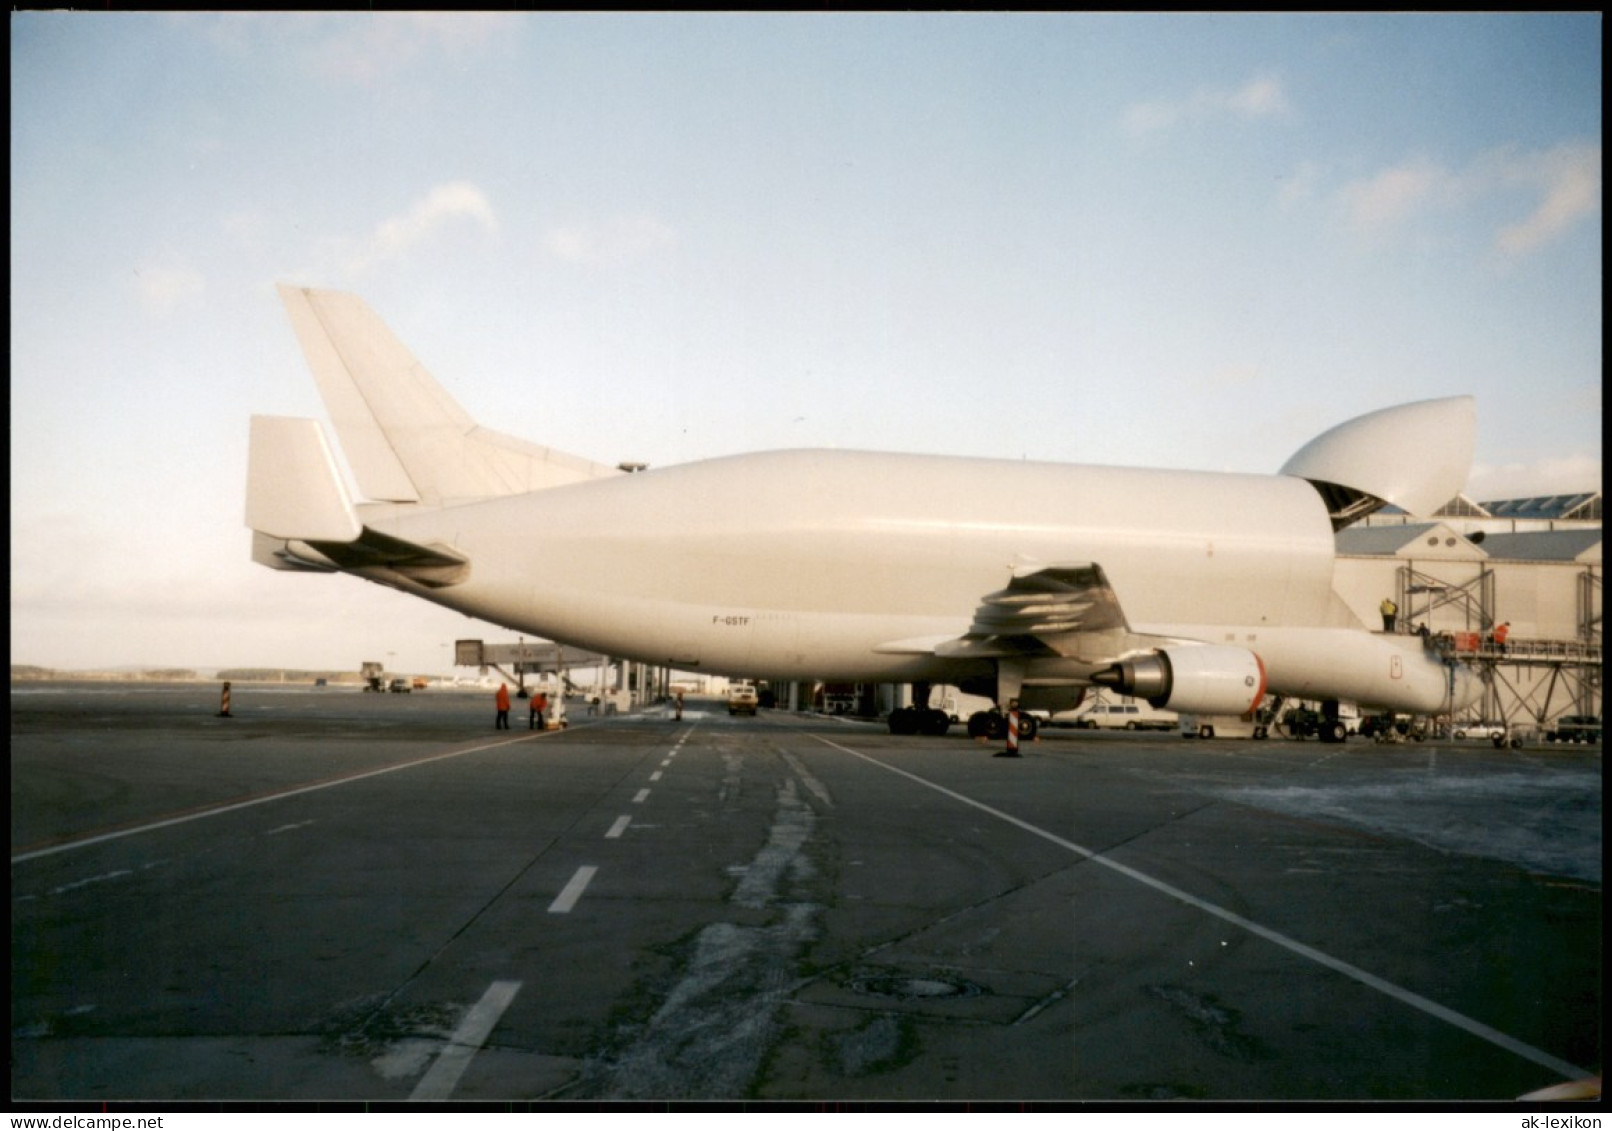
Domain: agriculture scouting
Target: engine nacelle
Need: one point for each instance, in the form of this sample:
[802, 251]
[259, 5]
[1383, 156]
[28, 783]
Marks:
[1203, 679]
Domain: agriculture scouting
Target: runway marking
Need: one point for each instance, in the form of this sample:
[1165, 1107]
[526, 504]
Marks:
[258, 799]
[440, 1080]
[655, 776]
[572, 891]
[1398, 993]
[618, 828]
[817, 788]
[640, 797]
[121, 872]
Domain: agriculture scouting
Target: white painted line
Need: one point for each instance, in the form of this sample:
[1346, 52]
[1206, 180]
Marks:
[655, 776]
[640, 797]
[667, 761]
[572, 892]
[65, 888]
[1414, 1000]
[467, 1039]
[618, 828]
[231, 807]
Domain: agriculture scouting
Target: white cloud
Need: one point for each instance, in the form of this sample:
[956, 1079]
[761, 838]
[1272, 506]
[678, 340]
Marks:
[1570, 177]
[441, 207]
[1259, 98]
[445, 203]
[1561, 187]
[163, 290]
[609, 242]
[1387, 199]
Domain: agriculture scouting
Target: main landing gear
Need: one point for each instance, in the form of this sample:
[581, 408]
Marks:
[992, 724]
[919, 720]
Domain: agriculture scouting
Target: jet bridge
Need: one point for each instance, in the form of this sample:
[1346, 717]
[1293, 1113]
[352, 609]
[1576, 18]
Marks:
[538, 657]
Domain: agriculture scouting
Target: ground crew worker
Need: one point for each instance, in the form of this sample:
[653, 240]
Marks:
[1389, 611]
[1012, 750]
[679, 706]
[539, 719]
[502, 702]
[1500, 634]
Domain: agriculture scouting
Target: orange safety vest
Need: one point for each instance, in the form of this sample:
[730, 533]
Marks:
[503, 699]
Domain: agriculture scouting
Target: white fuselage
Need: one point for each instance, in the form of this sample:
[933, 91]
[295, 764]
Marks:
[805, 564]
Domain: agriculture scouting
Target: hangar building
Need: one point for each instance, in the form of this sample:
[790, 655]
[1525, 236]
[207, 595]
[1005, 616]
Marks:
[1531, 564]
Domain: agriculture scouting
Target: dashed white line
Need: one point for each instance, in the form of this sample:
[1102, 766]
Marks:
[92, 880]
[655, 776]
[572, 891]
[618, 828]
[439, 1082]
[640, 797]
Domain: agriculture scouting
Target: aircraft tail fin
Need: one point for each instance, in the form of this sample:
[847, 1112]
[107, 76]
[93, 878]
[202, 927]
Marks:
[404, 437]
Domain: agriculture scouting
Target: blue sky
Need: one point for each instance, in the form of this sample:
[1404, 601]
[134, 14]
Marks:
[1177, 241]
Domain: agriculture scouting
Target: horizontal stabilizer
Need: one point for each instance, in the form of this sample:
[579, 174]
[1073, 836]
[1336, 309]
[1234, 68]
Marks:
[276, 553]
[434, 566]
[293, 486]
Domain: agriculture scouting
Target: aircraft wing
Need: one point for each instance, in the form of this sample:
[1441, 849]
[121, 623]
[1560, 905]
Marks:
[1057, 610]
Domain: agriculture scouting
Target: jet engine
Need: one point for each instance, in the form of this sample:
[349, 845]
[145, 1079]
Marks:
[1207, 679]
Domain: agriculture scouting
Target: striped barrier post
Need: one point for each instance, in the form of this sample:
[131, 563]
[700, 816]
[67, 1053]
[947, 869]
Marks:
[1012, 750]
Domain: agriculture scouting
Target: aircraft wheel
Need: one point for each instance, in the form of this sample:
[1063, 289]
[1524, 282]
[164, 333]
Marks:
[1029, 727]
[904, 720]
[985, 724]
[1206, 731]
[934, 723]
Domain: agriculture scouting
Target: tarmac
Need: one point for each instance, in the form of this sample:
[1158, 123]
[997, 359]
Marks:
[335, 896]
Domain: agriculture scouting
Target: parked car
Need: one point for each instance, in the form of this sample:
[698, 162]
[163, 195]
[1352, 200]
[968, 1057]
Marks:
[1125, 716]
[1479, 730]
[401, 685]
[1575, 728]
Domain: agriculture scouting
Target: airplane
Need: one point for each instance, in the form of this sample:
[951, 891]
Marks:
[1201, 592]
